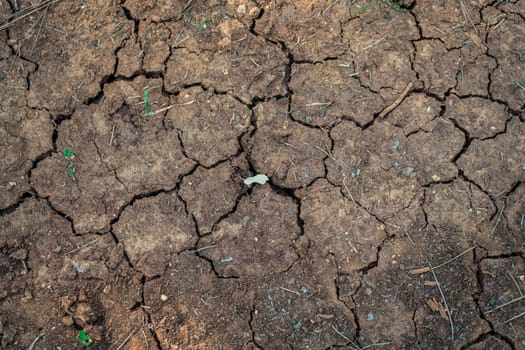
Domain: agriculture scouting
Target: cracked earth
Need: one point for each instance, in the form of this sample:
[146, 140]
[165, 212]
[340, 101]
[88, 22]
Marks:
[394, 217]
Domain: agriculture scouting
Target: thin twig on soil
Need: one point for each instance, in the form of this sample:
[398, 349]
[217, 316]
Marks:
[404, 228]
[35, 341]
[514, 318]
[145, 338]
[326, 153]
[348, 191]
[112, 135]
[426, 269]
[372, 44]
[202, 248]
[42, 20]
[353, 345]
[126, 340]
[291, 291]
[167, 108]
[505, 304]
[82, 247]
[25, 12]
[498, 219]
[181, 41]
[515, 283]
[444, 302]
[397, 102]
[467, 16]
[188, 3]
[322, 104]
[375, 344]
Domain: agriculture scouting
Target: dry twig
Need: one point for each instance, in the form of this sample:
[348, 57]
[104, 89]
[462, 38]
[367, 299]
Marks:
[426, 269]
[397, 102]
[25, 12]
[126, 340]
[444, 302]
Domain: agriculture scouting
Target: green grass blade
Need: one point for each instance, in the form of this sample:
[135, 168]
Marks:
[392, 7]
[366, 8]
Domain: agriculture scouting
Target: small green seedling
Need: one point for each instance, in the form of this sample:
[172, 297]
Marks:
[207, 21]
[69, 155]
[84, 338]
[146, 99]
[204, 24]
[72, 173]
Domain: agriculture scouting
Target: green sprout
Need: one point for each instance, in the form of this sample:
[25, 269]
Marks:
[204, 24]
[84, 338]
[207, 21]
[146, 99]
[72, 173]
[69, 155]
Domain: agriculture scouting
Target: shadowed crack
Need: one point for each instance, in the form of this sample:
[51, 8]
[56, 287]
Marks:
[252, 330]
[476, 297]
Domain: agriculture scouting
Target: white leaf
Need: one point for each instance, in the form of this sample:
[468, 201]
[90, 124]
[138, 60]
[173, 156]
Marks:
[261, 179]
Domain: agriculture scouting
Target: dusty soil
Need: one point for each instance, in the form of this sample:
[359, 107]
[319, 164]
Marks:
[394, 217]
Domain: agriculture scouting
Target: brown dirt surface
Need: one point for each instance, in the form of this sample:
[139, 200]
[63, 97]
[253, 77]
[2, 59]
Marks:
[392, 137]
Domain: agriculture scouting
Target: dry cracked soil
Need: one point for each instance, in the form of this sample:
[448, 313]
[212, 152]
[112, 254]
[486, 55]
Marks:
[393, 136]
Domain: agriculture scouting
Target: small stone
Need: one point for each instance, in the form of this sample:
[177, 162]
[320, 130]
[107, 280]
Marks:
[67, 321]
[368, 291]
[395, 145]
[107, 289]
[435, 178]
[408, 170]
[254, 12]
[66, 302]
[27, 296]
[241, 10]
[85, 313]
[370, 317]
[164, 297]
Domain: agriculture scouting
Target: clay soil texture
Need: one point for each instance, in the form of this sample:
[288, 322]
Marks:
[393, 137]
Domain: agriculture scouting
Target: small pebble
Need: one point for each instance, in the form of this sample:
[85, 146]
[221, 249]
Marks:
[370, 317]
[163, 297]
[254, 12]
[68, 321]
[408, 170]
[241, 10]
[298, 325]
[226, 260]
[395, 145]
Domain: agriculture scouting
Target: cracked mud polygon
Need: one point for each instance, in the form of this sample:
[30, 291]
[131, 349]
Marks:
[393, 138]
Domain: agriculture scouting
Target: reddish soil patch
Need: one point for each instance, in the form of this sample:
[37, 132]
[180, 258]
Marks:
[393, 140]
